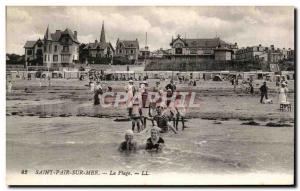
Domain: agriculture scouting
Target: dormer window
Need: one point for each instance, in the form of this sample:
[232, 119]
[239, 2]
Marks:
[178, 45]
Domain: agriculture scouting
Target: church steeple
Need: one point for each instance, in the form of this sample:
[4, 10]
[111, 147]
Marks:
[47, 35]
[102, 36]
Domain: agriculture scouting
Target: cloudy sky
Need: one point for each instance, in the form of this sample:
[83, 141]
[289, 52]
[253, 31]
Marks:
[247, 26]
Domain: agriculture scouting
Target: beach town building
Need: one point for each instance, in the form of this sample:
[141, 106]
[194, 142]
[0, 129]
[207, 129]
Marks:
[252, 53]
[100, 49]
[214, 48]
[144, 53]
[128, 48]
[265, 54]
[34, 53]
[290, 53]
[55, 50]
[160, 53]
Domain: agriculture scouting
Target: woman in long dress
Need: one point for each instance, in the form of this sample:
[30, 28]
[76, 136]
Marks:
[282, 96]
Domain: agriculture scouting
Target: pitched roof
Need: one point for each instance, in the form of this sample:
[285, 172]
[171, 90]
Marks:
[130, 43]
[29, 44]
[160, 51]
[100, 45]
[211, 43]
[56, 36]
[203, 43]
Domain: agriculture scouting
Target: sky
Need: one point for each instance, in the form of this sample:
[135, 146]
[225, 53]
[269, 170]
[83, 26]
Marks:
[248, 26]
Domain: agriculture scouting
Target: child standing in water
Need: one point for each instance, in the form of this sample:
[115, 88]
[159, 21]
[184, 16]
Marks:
[137, 115]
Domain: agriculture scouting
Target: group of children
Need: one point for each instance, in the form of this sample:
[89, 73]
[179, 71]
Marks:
[162, 110]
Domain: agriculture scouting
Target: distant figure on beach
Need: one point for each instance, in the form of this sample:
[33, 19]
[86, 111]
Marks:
[129, 144]
[251, 88]
[40, 83]
[170, 91]
[157, 87]
[235, 83]
[9, 87]
[49, 80]
[263, 92]
[98, 91]
[232, 81]
[282, 94]
[155, 142]
[92, 86]
[171, 86]
[130, 90]
[144, 92]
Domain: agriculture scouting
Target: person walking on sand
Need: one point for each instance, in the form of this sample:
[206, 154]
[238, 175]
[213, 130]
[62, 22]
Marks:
[130, 90]
[282, 94]
[40, 83]
[251, 88]
[9, 87]
[49, 80]
[98, 91]
[263, 92]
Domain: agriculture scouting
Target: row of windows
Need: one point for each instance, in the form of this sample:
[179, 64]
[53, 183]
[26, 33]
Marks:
[64, 49]
[64, 58]
[121, 51]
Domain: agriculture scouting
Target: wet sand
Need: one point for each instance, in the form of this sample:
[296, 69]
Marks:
[216, 100]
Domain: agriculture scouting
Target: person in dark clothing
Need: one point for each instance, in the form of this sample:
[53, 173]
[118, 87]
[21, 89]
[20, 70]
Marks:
[129, 144]
[263, 92]
[155, 142]
[98, 91]
[232, 81]
[251, 89]
[171, 86]
[161, 120]
[194, 83]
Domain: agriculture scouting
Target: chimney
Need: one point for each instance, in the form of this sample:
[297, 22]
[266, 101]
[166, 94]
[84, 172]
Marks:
[75, 34]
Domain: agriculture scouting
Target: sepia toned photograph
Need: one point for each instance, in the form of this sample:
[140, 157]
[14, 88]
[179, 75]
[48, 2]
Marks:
[150, 95]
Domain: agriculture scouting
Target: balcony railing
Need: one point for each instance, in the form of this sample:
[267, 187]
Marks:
[65, 51]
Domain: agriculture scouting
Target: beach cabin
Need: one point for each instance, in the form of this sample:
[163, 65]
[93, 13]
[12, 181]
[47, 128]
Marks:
[288, 74]
[71, 74]
[224, 75]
